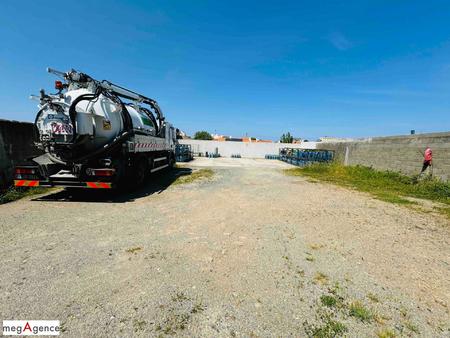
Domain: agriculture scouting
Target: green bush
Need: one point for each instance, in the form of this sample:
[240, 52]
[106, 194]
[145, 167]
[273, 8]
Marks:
[202, 135]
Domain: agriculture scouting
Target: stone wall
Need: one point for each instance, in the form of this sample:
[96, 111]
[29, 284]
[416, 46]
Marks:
[16, 144]
[397, 153]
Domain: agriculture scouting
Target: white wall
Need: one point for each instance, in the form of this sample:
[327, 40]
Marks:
[245, 149]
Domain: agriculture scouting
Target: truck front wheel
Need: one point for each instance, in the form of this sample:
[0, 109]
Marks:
[171, 160]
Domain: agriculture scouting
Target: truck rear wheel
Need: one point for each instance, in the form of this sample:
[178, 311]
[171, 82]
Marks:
[140, 172]
[133, 173]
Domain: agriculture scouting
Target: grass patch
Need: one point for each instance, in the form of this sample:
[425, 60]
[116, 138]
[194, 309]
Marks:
[403, 312]
[179, 297]
[387, 186]
[358, 310]
[200, 174]
[139, 325]
[329, 301]
[316, 246]
[198, 307]
[373, 297]
[411, 327]
[312, 181]
[330, 328]
[14, 194]
[386, 333]
[320, 278]
[333, 299]
[134, 250]
[444, 211]
[175, 322]
[178, 315]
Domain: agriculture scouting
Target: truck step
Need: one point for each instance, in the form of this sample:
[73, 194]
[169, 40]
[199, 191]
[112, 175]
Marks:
[160, 159]
[159, 168]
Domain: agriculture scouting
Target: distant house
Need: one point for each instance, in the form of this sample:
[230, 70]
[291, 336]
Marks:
[254, 139]
[217, 137]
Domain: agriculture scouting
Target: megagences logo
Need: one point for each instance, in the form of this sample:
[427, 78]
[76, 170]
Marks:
[31, 328]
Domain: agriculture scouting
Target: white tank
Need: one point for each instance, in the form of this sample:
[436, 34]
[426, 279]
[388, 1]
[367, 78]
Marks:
[100, 119]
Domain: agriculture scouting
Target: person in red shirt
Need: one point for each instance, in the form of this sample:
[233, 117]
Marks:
[427, 159]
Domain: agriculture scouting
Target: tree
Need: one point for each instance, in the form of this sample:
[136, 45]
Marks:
[287, 138]
[202, 135]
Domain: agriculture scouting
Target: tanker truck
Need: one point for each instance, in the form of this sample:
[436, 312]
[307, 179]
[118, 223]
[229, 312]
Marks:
[96, 134]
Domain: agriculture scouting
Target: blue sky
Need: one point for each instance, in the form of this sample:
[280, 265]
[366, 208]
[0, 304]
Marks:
[314, 68]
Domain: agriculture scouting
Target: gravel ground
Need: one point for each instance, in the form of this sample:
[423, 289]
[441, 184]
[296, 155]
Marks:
[250, 253]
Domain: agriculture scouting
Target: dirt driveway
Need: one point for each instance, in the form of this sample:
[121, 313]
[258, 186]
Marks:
[251, 253]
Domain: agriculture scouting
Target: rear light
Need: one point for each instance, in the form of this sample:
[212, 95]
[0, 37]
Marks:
[59, 85]
[24, 171]
[100, 172]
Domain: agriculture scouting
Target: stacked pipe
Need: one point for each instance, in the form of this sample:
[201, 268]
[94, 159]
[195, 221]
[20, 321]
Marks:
[302, 157]
[272, 157]
[183, 153]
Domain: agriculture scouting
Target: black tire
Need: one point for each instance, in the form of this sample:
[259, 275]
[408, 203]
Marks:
[123, 175]
[131, 177]
[171, 161]
[140, 172]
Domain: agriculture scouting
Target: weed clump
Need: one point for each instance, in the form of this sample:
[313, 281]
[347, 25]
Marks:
[328, 329]
[386, 333]
[197, 175]
[329, 301]
[373, 297]
[14, 194]
[320, 278]
[358, 310]
[411, 327]
[134, 250]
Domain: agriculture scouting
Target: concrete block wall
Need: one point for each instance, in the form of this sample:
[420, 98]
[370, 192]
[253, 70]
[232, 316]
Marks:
[16, 144]
[397, 153]
[245, 149]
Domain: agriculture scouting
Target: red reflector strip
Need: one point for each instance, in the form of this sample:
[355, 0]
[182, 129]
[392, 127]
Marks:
[103, 172]
[98, 185]
[100, 172]
[24, 171]
[26, 183]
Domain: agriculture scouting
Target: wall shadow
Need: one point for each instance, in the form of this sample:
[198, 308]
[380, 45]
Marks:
[155, 184]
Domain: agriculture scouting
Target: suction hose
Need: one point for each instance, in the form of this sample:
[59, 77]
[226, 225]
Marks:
[125, 117]
[73, 113]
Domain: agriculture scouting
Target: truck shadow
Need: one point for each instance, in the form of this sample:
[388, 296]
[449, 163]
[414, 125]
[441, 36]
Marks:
[155, 184]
